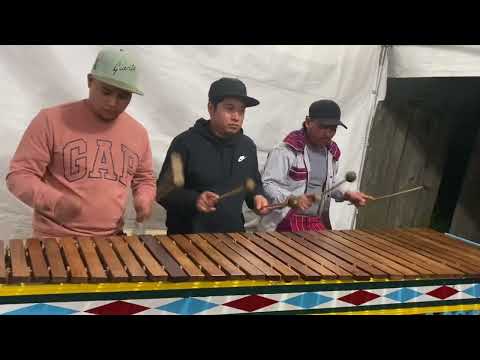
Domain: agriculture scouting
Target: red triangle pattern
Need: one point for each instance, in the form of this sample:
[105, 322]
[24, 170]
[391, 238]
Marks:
[117, 308]
[250, 303]
[359, 297]
[443, 292]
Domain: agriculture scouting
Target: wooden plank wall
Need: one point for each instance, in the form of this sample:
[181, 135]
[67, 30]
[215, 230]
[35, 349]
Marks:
[466, 218]
[407, 148]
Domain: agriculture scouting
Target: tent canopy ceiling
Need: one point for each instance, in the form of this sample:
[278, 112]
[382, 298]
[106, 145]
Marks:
[434, 61]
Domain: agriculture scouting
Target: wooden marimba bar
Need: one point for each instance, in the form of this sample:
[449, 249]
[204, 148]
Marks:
[307, 256]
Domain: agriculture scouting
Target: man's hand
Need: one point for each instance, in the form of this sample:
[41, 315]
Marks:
[67, 208]
[357, 198]
[143, 209]
[261, 205]
[206, 202]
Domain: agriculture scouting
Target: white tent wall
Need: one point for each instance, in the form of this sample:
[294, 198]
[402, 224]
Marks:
[286, 79]
[434, 61]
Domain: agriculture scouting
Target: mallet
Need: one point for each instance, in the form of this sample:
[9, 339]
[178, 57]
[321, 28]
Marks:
[248, 186]
[174, 176]
[397, 193]
[350, 176]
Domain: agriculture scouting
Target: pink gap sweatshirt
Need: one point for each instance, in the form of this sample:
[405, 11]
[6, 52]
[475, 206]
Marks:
[66, 149]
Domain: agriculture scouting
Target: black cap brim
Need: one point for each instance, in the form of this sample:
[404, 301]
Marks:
[330, 122]
[247, 100]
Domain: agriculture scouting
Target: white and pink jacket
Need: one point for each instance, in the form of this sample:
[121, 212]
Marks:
[286, 174]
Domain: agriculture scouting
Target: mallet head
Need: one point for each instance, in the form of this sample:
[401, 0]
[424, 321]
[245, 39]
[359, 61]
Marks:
[250, 185]
[350, 176]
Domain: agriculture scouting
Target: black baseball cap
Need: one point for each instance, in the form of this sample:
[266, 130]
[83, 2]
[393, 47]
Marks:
[230, 87]
[326, 112]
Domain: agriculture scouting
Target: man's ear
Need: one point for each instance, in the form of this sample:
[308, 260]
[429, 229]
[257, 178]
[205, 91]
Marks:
[89, 80]
[211, 109]
[308, 122]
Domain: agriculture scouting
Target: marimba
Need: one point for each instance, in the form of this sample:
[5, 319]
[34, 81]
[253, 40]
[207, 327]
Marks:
[372, 271]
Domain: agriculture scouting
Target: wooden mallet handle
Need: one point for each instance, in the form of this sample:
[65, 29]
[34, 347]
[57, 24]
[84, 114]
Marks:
[350, 176]
[373, 198]
[291, 202]
[248, 186]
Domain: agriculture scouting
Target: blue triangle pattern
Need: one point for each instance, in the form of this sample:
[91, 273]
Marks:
[187, 306]
[473, 291]
[308, 300]
[41, 309]
[459, 312]
[403, 294]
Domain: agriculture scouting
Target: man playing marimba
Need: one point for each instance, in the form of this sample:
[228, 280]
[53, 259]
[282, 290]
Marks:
[306, 162]
[217, 158]
[76, 161]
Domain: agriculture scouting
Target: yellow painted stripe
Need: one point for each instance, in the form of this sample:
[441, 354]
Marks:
[43, 289]
[410, 311]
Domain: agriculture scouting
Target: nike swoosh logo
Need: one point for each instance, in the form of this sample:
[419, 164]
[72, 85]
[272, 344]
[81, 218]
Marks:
[241, 158]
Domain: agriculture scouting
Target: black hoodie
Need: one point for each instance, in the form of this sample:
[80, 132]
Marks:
[210, 164]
